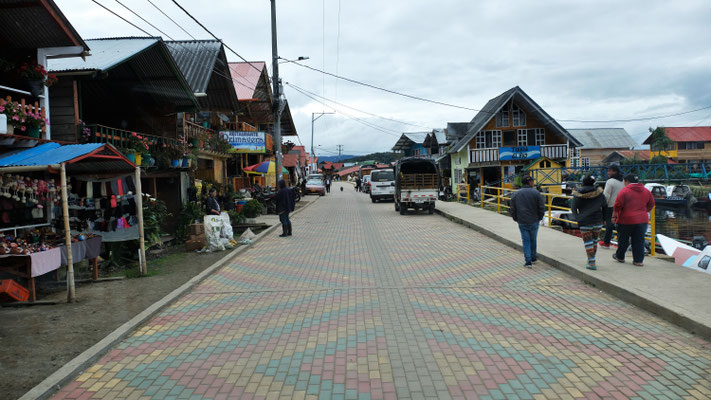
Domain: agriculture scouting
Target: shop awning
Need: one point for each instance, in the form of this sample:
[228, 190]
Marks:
[89, 158]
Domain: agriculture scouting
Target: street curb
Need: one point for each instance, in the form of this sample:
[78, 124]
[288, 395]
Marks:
[70, 370]
[646, 303]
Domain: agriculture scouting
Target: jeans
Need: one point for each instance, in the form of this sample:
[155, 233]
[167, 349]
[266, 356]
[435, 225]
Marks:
[635, 233]
[284, 219]
[609, 226]
[529, 236]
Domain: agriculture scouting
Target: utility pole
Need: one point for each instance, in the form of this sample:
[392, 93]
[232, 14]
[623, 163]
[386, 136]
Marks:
[277, 96]
[313, 153]
[340, 149]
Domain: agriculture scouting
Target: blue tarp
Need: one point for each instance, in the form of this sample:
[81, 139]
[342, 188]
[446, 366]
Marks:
[48, 154]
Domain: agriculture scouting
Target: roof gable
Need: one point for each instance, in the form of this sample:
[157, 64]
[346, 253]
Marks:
[494, 105]
[105, 54]
[603, 138]
[407, 139]
[686, 134]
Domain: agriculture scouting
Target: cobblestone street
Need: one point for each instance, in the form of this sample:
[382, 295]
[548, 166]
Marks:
[363, 303]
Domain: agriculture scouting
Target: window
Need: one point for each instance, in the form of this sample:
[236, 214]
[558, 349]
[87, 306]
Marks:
[519, 116]
[540, 136]
[704, 263]
[522, 137]
[495, 139]
[481, 140]
[502, 117]
[585, 162]
[457, 176]
[691, 145]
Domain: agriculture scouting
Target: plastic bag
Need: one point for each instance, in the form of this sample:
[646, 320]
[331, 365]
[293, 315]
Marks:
[247, 235]
[213, 228]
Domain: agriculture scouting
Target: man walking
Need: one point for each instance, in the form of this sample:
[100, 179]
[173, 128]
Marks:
[284, 204]
[328, 184]
[613, 185]
[528, 208]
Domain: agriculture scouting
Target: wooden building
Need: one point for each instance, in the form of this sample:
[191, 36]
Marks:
[597, 144]
[691, 144]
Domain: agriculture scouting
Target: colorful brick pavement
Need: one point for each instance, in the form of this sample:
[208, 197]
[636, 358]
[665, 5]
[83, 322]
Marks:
[363, 303]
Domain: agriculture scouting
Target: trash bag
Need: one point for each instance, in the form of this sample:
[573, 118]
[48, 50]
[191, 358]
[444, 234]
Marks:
[226, 232]
[248, 235]
[213, 229]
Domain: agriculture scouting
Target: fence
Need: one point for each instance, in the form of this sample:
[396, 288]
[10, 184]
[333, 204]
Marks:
[645, 172]
[503, 194]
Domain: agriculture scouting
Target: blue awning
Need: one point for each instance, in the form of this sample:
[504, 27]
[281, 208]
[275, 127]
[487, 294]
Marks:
[48, 154]
[88, 158]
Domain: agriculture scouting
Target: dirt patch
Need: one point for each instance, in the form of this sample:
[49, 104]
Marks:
[36, 341]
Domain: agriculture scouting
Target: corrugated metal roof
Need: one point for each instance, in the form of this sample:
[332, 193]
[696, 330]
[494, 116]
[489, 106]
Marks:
[440, 136]
[31, 24]
[603, 138]
[494, 105]
[246, 78]
[196, 59]
[410, 137]
[47, 154]
[686, 134]
[105, 54]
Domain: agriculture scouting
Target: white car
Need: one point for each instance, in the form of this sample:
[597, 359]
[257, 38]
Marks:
[382, 185]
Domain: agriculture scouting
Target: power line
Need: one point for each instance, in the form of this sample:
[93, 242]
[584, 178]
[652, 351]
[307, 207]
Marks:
[636, 119]
[124, 19]
[144, 20]
[358, 110]
[172, 20]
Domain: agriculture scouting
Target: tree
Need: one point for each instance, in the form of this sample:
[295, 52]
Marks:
[659, 140]
[658, 160]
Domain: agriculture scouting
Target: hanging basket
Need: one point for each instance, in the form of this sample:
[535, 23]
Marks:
[35, 87]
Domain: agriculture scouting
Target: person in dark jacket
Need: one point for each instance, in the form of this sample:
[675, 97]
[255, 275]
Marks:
[284, 204]
[212, 206]
[612, 187]
[528, 208]
[631, 215]
[589, 208]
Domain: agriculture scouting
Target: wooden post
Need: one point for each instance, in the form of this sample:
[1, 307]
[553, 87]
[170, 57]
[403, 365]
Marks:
[139, 213]
[71, 295]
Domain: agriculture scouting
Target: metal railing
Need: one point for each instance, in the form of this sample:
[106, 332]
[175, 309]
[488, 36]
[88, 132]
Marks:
[504, 193]
[120, 138]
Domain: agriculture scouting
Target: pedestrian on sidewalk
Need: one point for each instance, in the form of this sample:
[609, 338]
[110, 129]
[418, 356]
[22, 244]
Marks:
[358, 182]
[528, 208]
[589, 208]
[284, 204]
[328, 184]
[612, 189]
[632, 206]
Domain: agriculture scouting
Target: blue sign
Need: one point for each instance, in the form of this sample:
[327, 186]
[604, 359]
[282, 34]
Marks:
[246, 142]
[519, 153]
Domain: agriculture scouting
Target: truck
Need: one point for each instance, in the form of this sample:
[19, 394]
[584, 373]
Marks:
[417, 184]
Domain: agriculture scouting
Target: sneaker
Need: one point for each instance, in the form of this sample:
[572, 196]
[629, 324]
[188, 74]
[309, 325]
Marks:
[604, 245]
[535, 260]
[591, 267]
[614, 257]
[638, 264]
[528, 265]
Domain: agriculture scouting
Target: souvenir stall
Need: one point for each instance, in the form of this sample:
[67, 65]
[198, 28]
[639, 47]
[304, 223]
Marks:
[59, 203]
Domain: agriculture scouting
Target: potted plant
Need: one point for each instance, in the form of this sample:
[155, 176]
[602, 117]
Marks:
[15, 116]
[34, 122]
[35, 76]
[139, 146]
[251, 210]
[175, 156]
[162, 160]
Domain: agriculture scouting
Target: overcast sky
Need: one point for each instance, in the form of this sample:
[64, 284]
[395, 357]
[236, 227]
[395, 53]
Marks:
[580, 60]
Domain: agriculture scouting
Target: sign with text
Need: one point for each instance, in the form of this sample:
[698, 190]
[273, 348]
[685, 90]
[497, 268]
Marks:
[246, 142]
[519, 153]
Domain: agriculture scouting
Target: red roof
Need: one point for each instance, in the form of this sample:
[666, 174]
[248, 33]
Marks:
[290, 160]
[687, 134]
[246, 78]
[350, 170]
[383, 166]
[643, 155]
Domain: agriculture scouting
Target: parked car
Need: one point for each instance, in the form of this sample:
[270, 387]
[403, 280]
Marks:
[416, 184]
[366, 184]
[315, 186]
[314, 176]
[382, 185]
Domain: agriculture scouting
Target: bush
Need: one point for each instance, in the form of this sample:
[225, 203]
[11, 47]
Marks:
[236, 217]
[189, 212]
[252, 209]
[154, 213]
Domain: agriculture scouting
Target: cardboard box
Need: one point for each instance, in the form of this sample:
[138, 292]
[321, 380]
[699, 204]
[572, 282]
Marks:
[197, 229]
[195, 242]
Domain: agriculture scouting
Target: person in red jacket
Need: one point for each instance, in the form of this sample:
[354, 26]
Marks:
[632, 206]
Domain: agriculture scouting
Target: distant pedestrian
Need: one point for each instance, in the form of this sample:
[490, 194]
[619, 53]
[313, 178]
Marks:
[212, 206]
[589, 208]
[612, 188]
[328, 184]
[632, 206]
[284, 204]
[528, 208]
[358, 182]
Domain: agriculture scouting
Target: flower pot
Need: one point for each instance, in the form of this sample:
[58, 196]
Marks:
[175, 163]
[33, 131]
[35, 86]
[186, 163]
[131, 157]
[195, 142]
[146, 161]
[138, 158]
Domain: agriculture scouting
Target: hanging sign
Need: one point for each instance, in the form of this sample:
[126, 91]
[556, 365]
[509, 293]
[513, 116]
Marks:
[246, 142]
[519, 153]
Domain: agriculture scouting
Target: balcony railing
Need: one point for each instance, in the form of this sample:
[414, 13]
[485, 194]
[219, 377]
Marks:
[552, 151]
[120, 138]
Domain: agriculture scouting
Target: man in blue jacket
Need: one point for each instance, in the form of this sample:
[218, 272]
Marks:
[528, 208]
[284, 204]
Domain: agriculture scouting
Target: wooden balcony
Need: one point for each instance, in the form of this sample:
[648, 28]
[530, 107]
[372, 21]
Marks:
[491, 155]
[119, 138]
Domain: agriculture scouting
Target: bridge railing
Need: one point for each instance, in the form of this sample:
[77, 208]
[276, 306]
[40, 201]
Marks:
[645, 172]
[502, 194]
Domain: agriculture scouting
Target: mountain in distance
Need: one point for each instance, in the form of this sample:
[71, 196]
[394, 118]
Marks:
[335, 158]
[383, 157]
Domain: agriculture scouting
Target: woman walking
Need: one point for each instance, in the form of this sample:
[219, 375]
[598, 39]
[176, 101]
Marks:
[589, 208]
[632, 206]
[285, 204]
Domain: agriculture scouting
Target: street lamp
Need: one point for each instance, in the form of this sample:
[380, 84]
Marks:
[313, 119]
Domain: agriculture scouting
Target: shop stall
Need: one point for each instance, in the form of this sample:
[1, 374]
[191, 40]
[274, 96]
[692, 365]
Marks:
[59, 203]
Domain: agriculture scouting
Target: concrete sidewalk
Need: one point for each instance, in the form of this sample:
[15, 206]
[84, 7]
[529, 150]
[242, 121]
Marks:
[675, 293]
